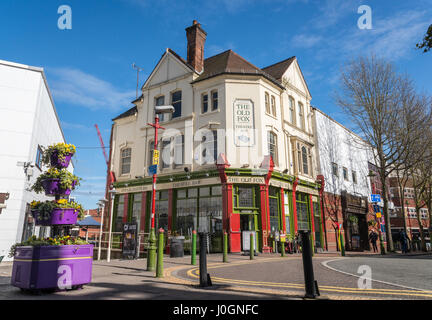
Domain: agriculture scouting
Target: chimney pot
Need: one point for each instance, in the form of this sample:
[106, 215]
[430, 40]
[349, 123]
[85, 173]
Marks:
[196, 38]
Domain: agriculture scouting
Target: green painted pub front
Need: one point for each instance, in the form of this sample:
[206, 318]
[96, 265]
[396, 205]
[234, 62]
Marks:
[223, 200]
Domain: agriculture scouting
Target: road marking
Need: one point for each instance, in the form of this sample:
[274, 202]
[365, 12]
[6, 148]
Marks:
[325, 264]
[194, 273]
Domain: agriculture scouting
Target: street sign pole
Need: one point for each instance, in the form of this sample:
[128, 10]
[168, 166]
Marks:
[151, 255]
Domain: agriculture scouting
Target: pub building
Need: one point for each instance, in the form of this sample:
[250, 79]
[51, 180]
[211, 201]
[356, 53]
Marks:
[237, 154]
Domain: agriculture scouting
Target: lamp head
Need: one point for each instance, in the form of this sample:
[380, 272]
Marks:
[164, 109]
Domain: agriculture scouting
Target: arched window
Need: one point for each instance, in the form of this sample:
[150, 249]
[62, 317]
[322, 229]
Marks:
[305, 160]
[125, 161]
[272, 146]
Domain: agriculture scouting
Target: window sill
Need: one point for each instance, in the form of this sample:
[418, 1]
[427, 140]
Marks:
[210, 112]
[271, 116]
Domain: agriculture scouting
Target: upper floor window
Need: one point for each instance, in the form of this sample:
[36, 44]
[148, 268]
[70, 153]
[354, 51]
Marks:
[301, 115]
[291, 112]
[38, 161]
[176, 101]
[160, 101]
[273, 105]
[125, 162]
[209, 148]
[267, 102]
[151, 149]
[179, 150]
[272, 146]
[166, 153]
[335, 169]
[204, 103]
[354, 177]
[305, 160]
[214, 97]
[409, 193]
[345, 173]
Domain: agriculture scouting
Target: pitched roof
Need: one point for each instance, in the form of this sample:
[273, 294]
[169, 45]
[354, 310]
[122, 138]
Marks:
[277, 70]
[229, 62]
[132, 111]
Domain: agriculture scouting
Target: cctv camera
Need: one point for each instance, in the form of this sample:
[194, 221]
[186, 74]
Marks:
[164, 109]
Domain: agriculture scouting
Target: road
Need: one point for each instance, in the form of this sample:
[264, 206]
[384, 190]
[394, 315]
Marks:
[268, 276]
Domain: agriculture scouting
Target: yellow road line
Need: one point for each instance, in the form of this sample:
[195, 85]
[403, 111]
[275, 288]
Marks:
[194, 273]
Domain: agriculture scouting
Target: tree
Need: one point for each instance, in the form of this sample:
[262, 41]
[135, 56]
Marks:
[375, 98]
[426, 45]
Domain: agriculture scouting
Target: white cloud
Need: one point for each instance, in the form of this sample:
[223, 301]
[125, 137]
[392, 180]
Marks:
[82, 89]
[306, 40]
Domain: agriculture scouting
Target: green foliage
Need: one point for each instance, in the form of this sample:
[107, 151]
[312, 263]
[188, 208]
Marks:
[56, 241]
[61, 149]
[67, 179]
[426, 45]
[44, 209]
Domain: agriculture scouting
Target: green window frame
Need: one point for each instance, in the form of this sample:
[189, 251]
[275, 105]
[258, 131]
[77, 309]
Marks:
[303, 211]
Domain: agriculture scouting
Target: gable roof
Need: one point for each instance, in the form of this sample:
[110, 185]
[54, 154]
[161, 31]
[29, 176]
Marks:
[178, 57]
[278, 69]
[229, 62]
[132, 111]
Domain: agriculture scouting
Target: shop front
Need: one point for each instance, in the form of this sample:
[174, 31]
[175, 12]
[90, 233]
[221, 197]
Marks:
[238, 204]
[355, 211]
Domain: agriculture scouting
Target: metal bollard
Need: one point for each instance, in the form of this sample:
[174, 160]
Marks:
[225, 247]
[310, 285]
[205, 280]
[159, 265]
[193, 253]
[251, 249]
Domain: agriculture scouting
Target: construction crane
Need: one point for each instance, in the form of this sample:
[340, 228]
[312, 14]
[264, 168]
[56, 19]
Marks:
[111, 174]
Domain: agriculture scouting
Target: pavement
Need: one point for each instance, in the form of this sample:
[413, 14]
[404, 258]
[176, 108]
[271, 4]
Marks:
[266, 277]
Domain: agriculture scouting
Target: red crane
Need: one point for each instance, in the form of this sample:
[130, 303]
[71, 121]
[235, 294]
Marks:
[111, 174]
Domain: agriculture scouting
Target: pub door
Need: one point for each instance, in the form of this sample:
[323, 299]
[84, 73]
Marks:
[247, 223]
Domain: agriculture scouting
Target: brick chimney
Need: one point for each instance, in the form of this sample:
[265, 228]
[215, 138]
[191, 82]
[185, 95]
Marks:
[196, 38]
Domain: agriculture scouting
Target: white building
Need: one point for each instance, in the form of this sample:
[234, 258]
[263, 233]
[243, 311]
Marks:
[28, 120]
[224, 106]
[343, 162]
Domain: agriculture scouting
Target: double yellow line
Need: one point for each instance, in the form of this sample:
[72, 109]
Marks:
[194, 273]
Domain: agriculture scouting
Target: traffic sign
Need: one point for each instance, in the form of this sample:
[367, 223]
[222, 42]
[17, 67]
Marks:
[378, 214]
[155, 157]
[152, 169]
[375, 198]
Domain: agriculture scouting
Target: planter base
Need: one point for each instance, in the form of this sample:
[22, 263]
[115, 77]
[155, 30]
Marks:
[52, 267]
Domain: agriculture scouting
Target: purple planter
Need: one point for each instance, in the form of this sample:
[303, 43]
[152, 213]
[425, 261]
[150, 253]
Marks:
[58, 217]
[55, 162]
[52, 267]
[52, 187]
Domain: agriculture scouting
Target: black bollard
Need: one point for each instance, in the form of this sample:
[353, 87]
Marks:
[205, 280]
[310, 285]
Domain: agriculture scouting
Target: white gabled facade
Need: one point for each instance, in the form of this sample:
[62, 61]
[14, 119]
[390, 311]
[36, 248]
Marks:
[28, 119]
[345, 152]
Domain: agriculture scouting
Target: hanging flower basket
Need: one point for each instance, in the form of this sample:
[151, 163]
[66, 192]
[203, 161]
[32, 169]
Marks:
[60, 162]
[58, 155]
[53, 187]
[56, 182]
[57, 217]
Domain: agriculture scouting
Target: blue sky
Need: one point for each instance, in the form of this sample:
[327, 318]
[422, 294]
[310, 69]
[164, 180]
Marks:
[89, 68]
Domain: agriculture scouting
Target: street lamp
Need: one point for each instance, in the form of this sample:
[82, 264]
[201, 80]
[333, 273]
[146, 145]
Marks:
[102, 206]
[151, 257]
[112, 192]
